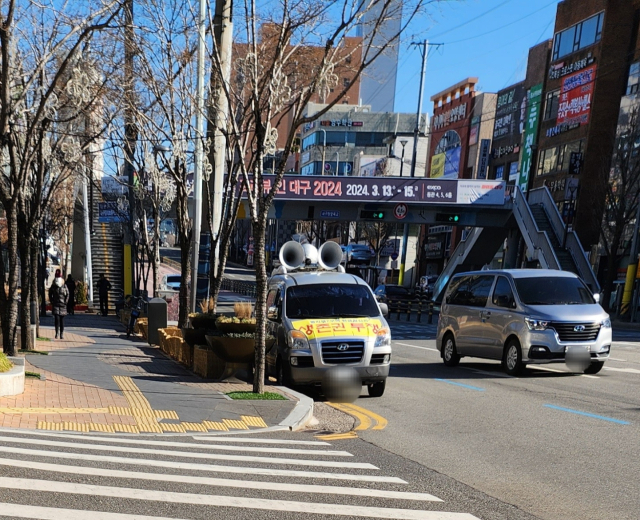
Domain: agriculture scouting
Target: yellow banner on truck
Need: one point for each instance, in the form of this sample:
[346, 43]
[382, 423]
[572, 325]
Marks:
[329, 328]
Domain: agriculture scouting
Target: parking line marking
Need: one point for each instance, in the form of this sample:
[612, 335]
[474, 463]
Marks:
[381, 421]
[415, 346]
[547, 369]
[627, 370]
[364, 420]
[486, 372]
[586, 414]
[460, 384]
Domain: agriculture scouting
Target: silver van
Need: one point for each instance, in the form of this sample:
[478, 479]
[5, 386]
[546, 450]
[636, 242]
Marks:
[522, 316]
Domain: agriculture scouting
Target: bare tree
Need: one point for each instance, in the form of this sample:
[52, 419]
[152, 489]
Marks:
[41, 99]
[622, 193]
[290, 53]
[377, 234]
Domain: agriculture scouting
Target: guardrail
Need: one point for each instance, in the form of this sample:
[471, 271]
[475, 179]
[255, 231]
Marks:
[243, 287]
[421, 307]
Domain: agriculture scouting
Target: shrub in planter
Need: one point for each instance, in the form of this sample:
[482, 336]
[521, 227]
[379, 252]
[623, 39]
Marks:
[203, 320]
[233, 348]
[5, 363]
[229, 325]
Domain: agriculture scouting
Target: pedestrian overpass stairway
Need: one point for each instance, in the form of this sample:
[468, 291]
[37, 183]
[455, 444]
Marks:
[107, 253]
[543, 232]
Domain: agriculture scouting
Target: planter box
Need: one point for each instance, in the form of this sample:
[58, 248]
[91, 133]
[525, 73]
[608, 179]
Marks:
[206, 364]
[194, 336]
[237, 328]
[233, 350]
[12, 382]
[201, 322]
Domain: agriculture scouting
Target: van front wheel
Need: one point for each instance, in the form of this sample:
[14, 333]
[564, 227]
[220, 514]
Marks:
[513, 364]
[449, 353]
[376, 389]
[594, 367]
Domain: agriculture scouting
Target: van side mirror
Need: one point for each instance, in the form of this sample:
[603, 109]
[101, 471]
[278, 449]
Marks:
[272, 313]
[596, 297]
[384, 309]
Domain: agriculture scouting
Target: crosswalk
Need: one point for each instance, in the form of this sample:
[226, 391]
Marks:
[51, 475]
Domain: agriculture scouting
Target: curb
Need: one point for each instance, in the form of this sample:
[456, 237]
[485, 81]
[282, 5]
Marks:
[302, 412]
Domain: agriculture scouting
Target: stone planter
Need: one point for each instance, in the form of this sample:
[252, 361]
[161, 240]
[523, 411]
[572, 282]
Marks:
[233, 350]
[194, 337]
[206, 364]
[237, 328]
[12, 382]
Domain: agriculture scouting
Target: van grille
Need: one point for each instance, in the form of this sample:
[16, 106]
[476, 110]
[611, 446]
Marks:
[567, 332]
[332, 355]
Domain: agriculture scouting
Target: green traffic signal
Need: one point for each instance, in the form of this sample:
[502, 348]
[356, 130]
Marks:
[372, 215]
[450, 218]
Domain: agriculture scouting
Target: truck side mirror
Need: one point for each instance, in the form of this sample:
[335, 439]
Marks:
[384, 309]
[596, 297]
[272, 313]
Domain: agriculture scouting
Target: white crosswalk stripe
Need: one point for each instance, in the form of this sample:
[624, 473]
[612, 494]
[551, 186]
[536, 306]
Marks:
[67, 476]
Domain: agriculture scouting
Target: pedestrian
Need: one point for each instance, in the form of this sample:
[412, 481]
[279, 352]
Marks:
[59, 297]
[104, 286]
[71, 285]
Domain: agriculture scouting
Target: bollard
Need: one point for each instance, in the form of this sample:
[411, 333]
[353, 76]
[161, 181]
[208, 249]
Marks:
[157, 315]
[398, 309]
[430, 320]
[420, 308]
[409, 305]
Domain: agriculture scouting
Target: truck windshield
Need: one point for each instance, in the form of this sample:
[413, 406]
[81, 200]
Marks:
[555, 290]
[330, 301]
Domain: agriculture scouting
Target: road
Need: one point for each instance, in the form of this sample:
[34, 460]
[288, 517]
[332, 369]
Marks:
[557, 445]
[55, 475]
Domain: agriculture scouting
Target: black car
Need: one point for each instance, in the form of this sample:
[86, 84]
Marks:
[386, 293]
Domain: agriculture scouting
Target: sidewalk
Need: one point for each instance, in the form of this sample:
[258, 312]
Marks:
[97, 379]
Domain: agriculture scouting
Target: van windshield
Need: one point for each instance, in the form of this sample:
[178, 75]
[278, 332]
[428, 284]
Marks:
[330, 301]
[553, 290]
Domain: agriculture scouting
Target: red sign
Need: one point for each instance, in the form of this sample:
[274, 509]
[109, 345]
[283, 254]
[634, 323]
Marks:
[400, 211]
[574, 104]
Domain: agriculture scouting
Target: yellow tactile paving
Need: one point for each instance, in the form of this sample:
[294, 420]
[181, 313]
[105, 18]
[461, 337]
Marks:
[125, 428]
[249, 420]
[105, 428]
[190, 426]
[218, 426]
[49, 426]
[238, 425]
[170, 427]
[131, 392]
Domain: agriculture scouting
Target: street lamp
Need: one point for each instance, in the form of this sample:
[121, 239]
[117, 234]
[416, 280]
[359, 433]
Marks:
[403, 142]
[324, 146]
[337, 162]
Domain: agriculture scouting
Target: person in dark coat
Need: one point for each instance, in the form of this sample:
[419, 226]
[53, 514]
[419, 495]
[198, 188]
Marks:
[59, 297]
[104, 286]
[71, 285]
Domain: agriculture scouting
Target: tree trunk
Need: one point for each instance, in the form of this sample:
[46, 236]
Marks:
[156, 249]
[184, 233]
[612, 263]
[8, 298]
[259, 229]
[25, 284]
[34, 281]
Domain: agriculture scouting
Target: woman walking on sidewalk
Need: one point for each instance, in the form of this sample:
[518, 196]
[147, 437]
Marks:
[59, 297]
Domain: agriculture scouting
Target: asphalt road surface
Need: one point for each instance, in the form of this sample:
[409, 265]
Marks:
[557, 445]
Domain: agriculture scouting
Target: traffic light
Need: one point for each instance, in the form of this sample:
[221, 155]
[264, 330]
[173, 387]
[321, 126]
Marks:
[449, 218]
[372, 215]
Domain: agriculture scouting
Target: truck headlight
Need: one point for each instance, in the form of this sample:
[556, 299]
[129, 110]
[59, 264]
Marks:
[535, 324]
[298, 340]
[383, 338]
[606, 324]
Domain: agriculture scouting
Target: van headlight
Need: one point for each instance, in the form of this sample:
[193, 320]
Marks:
[535, 324]
[606, 324]
[383, 338]
[298, 340]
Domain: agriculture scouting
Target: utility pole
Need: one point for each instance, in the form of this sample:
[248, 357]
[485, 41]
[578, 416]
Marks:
[223, 33]
[131, 136]
[405, 235]
[197, 174]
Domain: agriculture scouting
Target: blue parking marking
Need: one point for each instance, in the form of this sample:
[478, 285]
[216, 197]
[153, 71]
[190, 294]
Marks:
[462, 385]
[578, 412]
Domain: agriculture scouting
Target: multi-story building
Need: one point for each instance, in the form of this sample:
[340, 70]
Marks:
[353, 140]
[587, 75]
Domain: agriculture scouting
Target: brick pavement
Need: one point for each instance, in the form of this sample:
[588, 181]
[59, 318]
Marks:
[68, 401]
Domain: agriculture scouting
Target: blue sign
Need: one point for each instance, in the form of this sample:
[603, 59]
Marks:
[329, 213]
[108, 213]
[452, 163]
[394, 256]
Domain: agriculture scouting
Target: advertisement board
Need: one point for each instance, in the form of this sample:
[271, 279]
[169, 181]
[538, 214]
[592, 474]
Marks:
[452, 163]
[483, 163]
[409, 190]
[114, 186]
[576, 92]
[437, 166]
[108, 213]
[534, 100]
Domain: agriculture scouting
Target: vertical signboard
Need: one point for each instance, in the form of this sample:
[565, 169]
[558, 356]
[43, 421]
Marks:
[483, 163]
[534, 101]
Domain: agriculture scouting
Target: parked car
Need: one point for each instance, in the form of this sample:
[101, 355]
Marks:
[523, 316]
[170, 282]
[357, 254]
[384, 293]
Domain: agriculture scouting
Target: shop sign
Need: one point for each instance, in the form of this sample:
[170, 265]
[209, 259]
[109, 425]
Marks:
[434, 247]
[513, 171]
[575, 163]
[481, 192]
[112, 186]
[510, 112]
[499, 151]
[561, 69]
[534, 100]
[564, 127]
[437, 166]
[340, 122]
[483, 163]
[574, 105]
[556, 185]
[473, 135]
[450, 116]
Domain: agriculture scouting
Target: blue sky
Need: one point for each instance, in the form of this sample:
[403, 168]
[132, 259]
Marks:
[488, 39]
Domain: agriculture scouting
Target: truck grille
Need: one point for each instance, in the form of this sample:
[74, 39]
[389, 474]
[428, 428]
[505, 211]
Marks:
[333, 355]
[568, 332]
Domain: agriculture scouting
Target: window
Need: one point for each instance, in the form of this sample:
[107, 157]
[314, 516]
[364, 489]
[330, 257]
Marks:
[459, 292]
[554, 290]
[634, 78]
[480, 287]
[551, 105]
[579, 36]
[548, 160]
[558, 158]
[328, 301]
[503, 295]
[346, 82]
[575, 146]
[347, 60]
